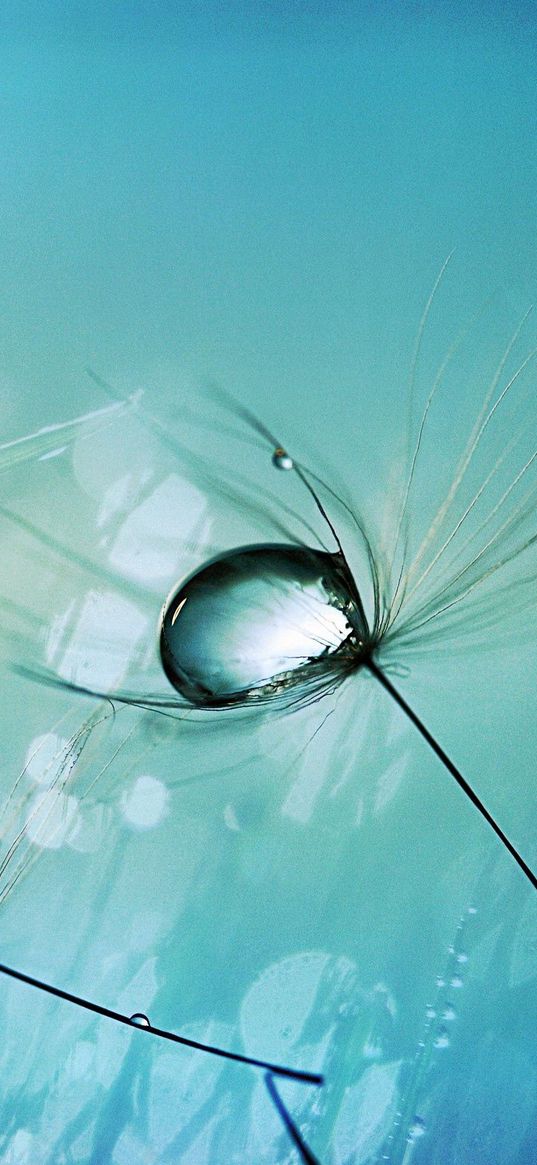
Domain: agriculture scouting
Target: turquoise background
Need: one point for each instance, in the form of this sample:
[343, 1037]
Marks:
[261, 196]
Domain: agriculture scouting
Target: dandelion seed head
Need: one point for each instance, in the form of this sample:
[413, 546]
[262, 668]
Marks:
[286, 590]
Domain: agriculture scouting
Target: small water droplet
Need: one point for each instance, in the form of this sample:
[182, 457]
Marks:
[472, 910]
[430, 1011]
[449, 1013]
[462, 957]
[140, 1020]
[456, 981]
[442, 1039]
[451, 949]
[440, 982]
[417, 1128]
[282, 460]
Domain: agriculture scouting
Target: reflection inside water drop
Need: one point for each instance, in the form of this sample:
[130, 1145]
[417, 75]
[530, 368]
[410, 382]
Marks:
[259, 620]
[282, 460]
[140, 1020]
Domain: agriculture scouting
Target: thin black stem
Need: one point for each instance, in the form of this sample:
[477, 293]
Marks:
[296, 1137]
[455, 773]
[274, 1069]
[271, 1070]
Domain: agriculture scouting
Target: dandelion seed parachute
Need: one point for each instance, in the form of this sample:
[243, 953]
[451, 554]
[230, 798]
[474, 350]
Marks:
[284, 623]
[403, 598]
[215, 626]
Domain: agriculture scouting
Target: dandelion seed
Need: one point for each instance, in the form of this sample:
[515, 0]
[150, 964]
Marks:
[265, 623]
[277, 625]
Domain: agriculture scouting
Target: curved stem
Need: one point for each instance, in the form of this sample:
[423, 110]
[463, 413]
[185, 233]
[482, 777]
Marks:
[89, 1005]
[271, 1070]
[305, 1153]
[451, 768]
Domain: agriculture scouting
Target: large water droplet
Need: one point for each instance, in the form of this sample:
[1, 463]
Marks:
[258, 620]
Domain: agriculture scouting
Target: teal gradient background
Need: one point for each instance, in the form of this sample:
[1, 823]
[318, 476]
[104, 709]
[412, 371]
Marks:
[261, 196]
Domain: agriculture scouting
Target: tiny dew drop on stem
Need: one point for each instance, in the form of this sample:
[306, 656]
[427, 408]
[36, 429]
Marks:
[281, 459]
[140, 1020]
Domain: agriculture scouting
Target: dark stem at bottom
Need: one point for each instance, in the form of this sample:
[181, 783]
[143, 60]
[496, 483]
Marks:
[272, 1071]
[296, 1137]
[451, 768]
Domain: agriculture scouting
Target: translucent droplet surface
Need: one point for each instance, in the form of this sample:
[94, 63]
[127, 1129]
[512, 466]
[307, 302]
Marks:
[258, 620]
[442, 1039]
[449, 1013]
[282, 460]
[417, 1128]
[140, 1020]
